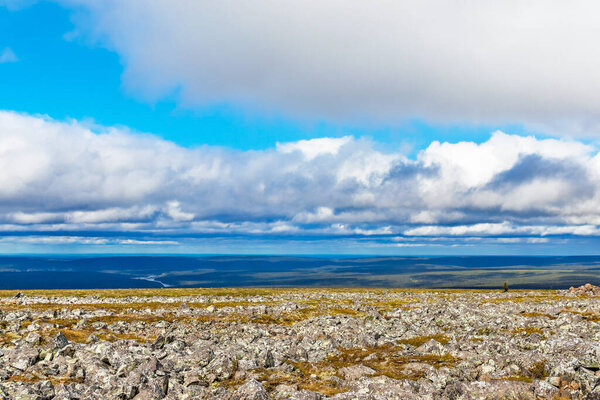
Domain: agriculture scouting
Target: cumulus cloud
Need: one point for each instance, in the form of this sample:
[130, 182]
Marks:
[314, 147]
[473, 61]
[65, 176]
[7, 56]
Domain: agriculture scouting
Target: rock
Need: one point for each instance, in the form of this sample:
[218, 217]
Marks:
[587, 289]
[193, 378]
[25, 358]
[591, 365]
[49, 314]
[67, 351]
[150, 367]
[269, 361]
[355, 372]
[11, 316]
[554, 381]
[431, 347]
[33, 338]
[92, 339]
[163, 350]
[45, 389]
[252, 390]
[203, 356]
[159, 343]
[306, 395]
[222, 366]
[60, 341]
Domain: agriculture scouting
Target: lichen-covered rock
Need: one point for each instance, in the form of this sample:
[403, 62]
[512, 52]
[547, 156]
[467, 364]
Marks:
[355, 372]
[252, 390]
[24, 358]
[60, 341]
[302, 345]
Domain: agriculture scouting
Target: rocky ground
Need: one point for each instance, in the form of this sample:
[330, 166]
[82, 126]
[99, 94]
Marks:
[300, 344]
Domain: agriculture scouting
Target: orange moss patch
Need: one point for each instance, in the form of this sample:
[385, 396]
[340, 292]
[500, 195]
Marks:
[387, 360]
[420, 340]
[321, 376]
[539, 297]
[304, 377]
[35, 378]
[7, 338]
[536, 314]
[538, 370]
[535, 371]
[290, 318]
[392, 304]
[81, 335]
[517, 378]
[527, 331]
[588, 316]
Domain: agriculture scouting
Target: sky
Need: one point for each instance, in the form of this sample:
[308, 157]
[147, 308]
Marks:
[299, 127]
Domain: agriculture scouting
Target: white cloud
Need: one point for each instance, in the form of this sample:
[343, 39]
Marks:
[81, 240]
[174, 211]
[493, 229]
[56, 240]
[315, 147]
[471, 61]
[61, 176]
[7, 56]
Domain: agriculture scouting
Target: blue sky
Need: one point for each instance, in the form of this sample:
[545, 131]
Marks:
[68, 78]
[270, 137]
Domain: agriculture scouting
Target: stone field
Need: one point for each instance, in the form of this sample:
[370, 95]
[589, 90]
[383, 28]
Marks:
[300, 344]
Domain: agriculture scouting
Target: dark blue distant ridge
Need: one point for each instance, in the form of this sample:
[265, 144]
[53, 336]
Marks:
[97, 272]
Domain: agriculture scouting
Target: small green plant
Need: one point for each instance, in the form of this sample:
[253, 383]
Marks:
[505, 287]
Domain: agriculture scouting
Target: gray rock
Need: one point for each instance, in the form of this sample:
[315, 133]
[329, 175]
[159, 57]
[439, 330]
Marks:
[306, 395]
[33, 338]
[45, 390]
[171, 352]
[252, 390]
[25, 358]
[355, 372]
[60, 340]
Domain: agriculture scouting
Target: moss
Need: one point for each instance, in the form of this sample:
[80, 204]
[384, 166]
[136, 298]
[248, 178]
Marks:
[7, 338]
[391, 304]
[420, 340]
[483, 331]
[538, 370]
[387, 360]
[536, 314]
[321, 376]
[517, 378]
[544, 297]
[34, 378]
[81, 335]
[305, 376]
[528, 330]
[290, 318]
[535, 371]
[588, 316]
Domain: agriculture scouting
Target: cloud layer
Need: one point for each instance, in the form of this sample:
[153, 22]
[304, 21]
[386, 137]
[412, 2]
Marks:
[67, 176]
[473, 61]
